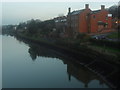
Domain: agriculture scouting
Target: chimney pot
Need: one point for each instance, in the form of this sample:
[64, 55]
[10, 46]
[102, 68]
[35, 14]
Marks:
[69, 10]
[86, 6]
[102, 7]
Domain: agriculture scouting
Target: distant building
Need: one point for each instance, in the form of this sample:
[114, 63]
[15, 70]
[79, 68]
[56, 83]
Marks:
[61, 24]
[88, 21]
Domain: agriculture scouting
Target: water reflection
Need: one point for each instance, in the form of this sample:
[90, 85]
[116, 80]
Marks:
[82, 74]
[73, 69]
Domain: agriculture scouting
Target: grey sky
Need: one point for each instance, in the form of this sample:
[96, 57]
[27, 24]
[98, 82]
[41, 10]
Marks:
[15, 12]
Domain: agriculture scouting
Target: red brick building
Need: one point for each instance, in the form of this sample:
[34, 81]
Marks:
[77, 21]
[100, 20]
[87, 21]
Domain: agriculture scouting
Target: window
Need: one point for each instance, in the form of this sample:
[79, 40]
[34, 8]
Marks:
[109, 15]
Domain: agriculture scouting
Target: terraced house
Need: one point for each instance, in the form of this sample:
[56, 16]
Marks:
[88, 21]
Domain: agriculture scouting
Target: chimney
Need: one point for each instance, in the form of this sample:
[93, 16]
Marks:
[102, 7]
[86, 6]
[69, 10]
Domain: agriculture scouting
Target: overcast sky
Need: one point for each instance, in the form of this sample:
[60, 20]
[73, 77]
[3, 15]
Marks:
[15, 12]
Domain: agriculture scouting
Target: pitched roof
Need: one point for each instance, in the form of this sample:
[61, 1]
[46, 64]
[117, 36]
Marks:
[77, 12]
[95, 11]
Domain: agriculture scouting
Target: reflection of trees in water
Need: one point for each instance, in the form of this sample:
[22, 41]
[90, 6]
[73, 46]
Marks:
[79, 72]
[33, 55]
[35, 51]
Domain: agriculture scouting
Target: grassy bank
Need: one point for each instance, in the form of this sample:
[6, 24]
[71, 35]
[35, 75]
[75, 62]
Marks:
[113, 55]
[70, 45]
[114, 35]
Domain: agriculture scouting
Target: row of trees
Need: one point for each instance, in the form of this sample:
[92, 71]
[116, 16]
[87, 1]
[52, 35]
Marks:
[37, 26]
[30, 27]
[115, 11]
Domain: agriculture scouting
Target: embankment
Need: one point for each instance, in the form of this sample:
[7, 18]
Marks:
[93, 60]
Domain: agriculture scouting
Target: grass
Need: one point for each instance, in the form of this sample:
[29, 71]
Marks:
[104, 49]
[113, 35]
[74, 42]
[75, 47]
[112, 54]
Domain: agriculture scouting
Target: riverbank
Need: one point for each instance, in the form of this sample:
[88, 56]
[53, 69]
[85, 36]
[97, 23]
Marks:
[92, 51]
[103, 65]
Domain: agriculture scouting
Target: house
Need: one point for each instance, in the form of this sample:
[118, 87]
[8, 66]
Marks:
[60, 22]
[60, 25]
[77, 20]
[100, 20]
[88, 21]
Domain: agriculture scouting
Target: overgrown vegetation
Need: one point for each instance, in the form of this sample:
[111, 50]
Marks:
[114, 35]
[115, 11]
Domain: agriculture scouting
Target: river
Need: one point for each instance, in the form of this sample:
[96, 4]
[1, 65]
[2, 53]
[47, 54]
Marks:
[28, 65]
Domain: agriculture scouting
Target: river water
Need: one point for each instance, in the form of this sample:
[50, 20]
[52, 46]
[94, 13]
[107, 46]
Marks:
[27, 65]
